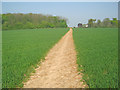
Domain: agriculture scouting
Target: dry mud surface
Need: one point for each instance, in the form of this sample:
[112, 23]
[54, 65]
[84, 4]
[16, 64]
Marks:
[59, 70]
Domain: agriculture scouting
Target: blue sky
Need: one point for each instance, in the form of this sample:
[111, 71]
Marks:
[75, 12]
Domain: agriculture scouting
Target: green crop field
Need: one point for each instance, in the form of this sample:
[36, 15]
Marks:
[22, 50]
[97, 56]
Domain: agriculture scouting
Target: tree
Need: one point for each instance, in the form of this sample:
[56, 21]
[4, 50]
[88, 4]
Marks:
[114, 22]
[98, 22]
[24, 21]
[94, 20]
[90, 22]
[107, 23]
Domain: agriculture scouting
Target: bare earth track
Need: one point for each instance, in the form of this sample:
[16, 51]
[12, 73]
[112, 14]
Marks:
[59, 70]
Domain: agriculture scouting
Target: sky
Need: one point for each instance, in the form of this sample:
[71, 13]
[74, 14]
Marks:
[60, 0]
[75, 12]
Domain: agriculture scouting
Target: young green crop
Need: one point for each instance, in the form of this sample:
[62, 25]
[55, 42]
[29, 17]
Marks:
[22, 50]
[97, 52]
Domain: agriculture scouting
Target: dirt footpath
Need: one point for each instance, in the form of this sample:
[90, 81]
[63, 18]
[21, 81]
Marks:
[59, 70]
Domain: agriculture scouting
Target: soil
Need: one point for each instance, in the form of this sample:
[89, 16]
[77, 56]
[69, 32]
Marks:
[59, 69]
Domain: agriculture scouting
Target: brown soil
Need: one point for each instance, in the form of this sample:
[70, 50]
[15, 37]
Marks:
[59, 70]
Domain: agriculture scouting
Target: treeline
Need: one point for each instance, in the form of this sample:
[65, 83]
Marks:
[106, 23]
[31, 21]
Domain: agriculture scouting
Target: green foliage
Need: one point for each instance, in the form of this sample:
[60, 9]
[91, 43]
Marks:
[22, 50]
[106, 23]
[97, 52]
[90, 22]
[31, 21]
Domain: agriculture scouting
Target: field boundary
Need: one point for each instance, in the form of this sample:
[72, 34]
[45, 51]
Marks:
[32, 68]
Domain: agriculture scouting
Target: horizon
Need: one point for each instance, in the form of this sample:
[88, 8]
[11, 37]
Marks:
[75, 12]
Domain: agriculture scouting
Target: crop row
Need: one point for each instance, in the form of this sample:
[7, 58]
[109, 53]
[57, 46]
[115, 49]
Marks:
[22, 50]
[97, 56]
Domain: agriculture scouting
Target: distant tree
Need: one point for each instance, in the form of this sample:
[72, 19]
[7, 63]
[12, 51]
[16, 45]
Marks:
[114, 19]
[94, 24]
[107, 23]
[94, 20]
[98, 22]
[90, 22]
[23, 21]
[114, 22]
